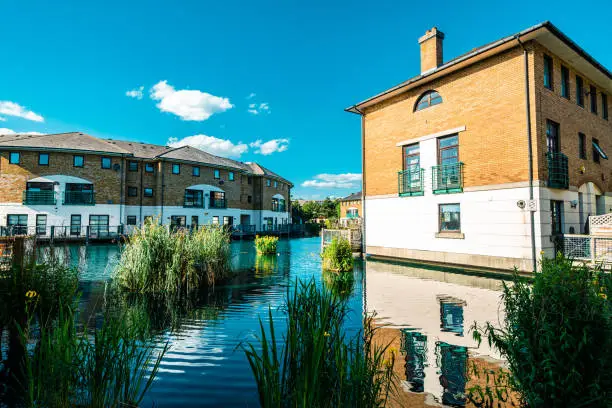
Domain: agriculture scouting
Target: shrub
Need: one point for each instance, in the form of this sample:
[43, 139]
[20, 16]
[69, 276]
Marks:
[157, 260]
[338, 256]
[557, 336]
[317, 365]
[266, 245]
[340, 283]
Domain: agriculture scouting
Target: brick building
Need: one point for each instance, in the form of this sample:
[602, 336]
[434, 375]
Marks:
[489, 158]
[73, 180]
[350, 207]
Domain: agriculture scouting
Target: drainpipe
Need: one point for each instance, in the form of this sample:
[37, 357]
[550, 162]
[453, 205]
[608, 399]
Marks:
[161, 165]
[141, 189]
[363, 183]
[529, 150]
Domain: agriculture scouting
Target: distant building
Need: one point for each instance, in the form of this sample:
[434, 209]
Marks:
[491, 157]
[73, 181]
[350, 207]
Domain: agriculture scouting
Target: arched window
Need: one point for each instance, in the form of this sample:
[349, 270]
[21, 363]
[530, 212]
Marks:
[428, 99]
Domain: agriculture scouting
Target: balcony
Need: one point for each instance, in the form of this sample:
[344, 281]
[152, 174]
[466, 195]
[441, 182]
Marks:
[193, 204]
[278, 207]
[448, 178]
[217, 203]
[410, 182]
[79, 198]
[46, 197]
[558, 176]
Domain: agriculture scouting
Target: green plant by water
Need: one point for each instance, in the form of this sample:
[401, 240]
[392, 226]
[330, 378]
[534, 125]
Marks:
[317, 365]
[156, 259]
[338, 255]
[556, 337]
[266, 245]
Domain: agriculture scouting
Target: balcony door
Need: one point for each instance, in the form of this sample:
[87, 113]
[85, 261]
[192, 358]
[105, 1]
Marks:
[98, 225]
[552, 137]
[39, 193]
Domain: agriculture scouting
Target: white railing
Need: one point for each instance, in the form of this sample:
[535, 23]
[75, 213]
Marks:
[595, 249]
[600, 224]
[352, 235]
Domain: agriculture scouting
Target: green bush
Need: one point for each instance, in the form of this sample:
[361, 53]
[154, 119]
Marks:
[157, 260]
[316, 365]
[557, 336]
[266, 245]
[340, 283]
[338, 256]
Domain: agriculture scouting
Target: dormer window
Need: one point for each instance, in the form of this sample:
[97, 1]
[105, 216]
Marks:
[429, 98]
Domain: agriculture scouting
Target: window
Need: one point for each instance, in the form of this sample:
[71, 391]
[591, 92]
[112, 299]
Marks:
[429, 98]
[448, 150]
[593, 97]
[106, 162]
[194, 198]
[548, 72]
[598, 152]
[132, 192]
[148, 219]
[582, 145]
[565, 85]
[148, 192]
[149, 168]
[268, 183]
[43, 159]
[131, 220]
[176, 169]
[78, 161]
[412, 157]
[450, 218]
[410, 180]
[552, 137]
[217, 174]
[194, 221]
[604, 106]
[17, 223]
[275, 184]
[14, 157]
[41, 224]
[75, 224]
[249, 199]
[215, 220]
[195, 171]
[217, 199]
[228, 220]
[231, 176]
[249, 180]
[98, 225]
[177, 221]
[556, 216]
[579, 91]
[133, 166]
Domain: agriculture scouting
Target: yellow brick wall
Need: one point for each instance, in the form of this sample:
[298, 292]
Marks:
[345, 205]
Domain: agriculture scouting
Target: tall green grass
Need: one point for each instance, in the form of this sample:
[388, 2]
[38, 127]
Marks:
[316, 365]
[266, 245]
[157, 260]
[338, 256]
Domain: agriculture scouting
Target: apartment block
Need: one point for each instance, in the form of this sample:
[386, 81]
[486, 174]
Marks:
[491, 157]
[73, 181]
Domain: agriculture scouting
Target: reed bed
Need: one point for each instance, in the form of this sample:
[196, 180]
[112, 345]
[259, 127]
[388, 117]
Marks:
[266, 245]
[338, 256]
[158, 260]
[316, 365]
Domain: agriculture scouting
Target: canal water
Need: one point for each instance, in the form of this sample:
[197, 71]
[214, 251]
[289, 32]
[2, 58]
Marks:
[425, 312]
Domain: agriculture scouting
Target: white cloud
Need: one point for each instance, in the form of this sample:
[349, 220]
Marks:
[2, 119]
[7, 131]
[14, 109]
[135, 93]
[346, 180]
[211, 144]
[251, 95]
[271, 146]
[256, 108]
[188, 104]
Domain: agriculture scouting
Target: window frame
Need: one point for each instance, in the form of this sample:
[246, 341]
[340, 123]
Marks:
[195, 171]
[596, 156]
[548, 72]
[604, 106]
[74, 160]
[144, 192]
[565, 82]
[39, 224]
[431, 98]
[217, 174]
[579, 91]
[130, 163]
[176, 168]
[149, 166]
[406, 156]
[553, 141]
[441, 149]
[593, 99]
[40, 155]
[268, 182]
[131, 217]
[582, 154]
[14, 154]
[249, 199]
[132, 191]
[110, 163]
[215, 220]
[556, 207]
[231, 176]
[440, 206]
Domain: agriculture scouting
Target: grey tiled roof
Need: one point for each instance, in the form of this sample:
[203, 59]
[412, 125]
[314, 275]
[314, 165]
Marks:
[262, 171]
[352, 197]
[61, 141]
[141, 150]
[193, 154]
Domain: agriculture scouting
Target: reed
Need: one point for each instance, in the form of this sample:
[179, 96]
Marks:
[157, 260]
[317, 365]
[338, 256]
[266, 245]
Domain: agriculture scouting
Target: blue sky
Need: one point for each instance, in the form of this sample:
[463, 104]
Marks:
[256, 81]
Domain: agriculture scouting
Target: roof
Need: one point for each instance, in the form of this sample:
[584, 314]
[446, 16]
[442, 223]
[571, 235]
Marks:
[260, 170]
[139, 149]
[352, 197]
[193, 154]
[545, 33]
[73, 141]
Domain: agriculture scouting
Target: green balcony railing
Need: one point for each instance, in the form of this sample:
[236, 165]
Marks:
[193, 203]
[39, 197]
[410, 182]
[217, 203]
[447, 178]
[278, 206]
[558, 175]
[79, 198]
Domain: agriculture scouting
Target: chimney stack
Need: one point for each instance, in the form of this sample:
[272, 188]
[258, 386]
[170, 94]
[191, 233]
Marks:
[431, 50]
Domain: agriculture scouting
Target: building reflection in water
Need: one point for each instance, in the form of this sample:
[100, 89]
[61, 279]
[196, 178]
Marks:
[428, 310]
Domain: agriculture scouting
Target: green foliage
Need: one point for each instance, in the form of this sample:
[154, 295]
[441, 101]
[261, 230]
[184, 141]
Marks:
[338, 256]
[158, 260]
[340, 283]
[557, 336]
[327, 208]
[316, 365]
[266, 245]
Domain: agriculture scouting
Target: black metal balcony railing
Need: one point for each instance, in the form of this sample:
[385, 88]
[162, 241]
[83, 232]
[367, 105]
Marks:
[217, 202]
[447, 178]
[410, 181]
[39, 197]
[79, 198]
[558, 175]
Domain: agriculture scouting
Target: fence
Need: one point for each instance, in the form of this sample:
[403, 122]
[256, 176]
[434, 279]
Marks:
[591, 248]
[352, 235]
[64, 233]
